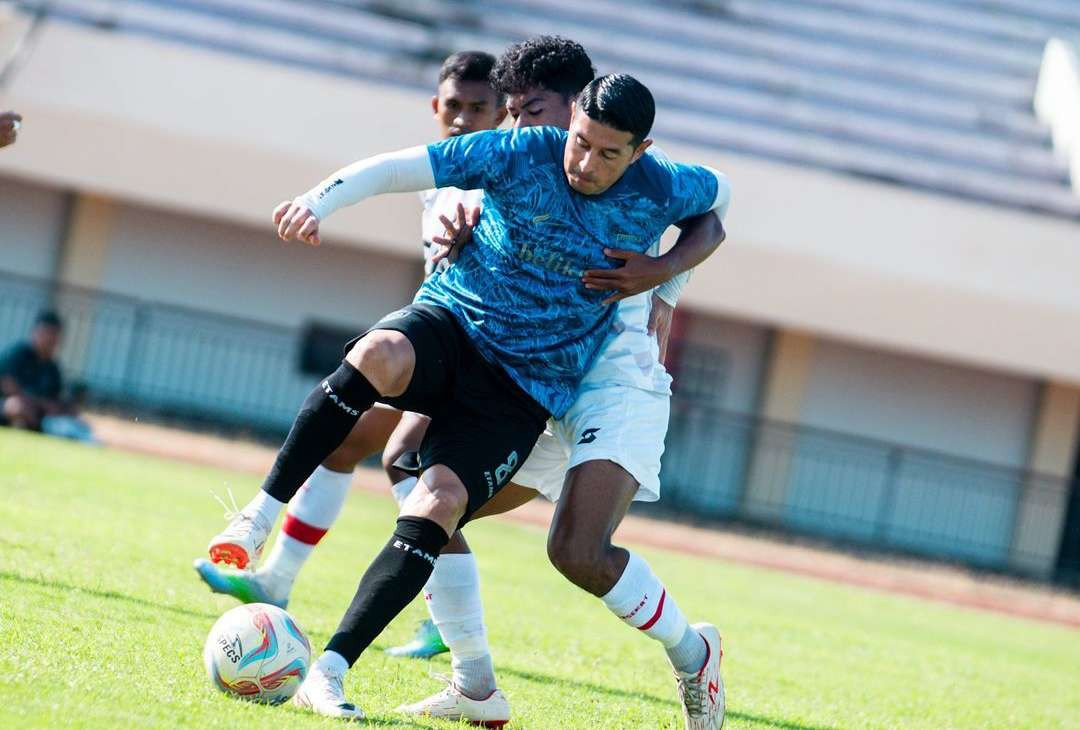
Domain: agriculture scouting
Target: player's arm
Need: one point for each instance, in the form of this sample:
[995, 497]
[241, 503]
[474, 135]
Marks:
[698, 238]
[465, 162]
[697, 207]
[404, 171]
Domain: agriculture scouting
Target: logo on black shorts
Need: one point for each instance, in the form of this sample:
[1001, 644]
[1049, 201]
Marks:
[588, 436]
[502, 473]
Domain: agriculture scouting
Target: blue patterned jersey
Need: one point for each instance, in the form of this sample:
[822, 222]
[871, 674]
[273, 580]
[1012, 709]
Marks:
[516, 289]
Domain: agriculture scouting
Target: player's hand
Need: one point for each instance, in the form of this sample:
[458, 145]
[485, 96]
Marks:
[458, 232]
[9, 127]
[660, 324]
[639, 273]
[294, 220]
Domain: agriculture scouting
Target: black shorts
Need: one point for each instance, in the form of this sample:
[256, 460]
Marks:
[483, 425]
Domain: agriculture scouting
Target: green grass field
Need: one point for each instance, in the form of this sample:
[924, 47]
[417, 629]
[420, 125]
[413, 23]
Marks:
[102, 622]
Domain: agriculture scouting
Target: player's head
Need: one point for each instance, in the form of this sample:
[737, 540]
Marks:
[540, 78]
[465, 101]
[609, 132]
[45, 338]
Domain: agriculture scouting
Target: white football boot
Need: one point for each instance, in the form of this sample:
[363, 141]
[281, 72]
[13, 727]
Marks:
[241, 542]
[323, 693]
[703, 693]
[451, 704]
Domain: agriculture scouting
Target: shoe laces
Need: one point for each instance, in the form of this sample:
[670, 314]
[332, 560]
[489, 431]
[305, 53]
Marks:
[233, 515]
[692, 690]
[230, 512]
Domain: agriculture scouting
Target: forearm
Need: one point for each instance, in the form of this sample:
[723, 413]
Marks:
[698, 238]
[407, 170]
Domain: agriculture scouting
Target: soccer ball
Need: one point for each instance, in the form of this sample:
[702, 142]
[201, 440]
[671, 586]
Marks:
[257, 652]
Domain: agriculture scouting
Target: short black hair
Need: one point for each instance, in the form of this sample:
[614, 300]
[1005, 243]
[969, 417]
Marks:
[622, 102]
[48, 318]
[468, 66]
[546, 62]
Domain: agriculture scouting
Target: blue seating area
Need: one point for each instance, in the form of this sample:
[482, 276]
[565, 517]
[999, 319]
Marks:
[923, 93]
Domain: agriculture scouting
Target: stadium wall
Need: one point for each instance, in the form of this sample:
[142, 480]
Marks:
[222, 136]
[32, 220]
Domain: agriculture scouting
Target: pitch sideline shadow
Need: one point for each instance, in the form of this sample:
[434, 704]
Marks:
[669, 703]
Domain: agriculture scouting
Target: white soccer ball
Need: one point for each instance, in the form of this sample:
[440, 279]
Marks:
[257, 652]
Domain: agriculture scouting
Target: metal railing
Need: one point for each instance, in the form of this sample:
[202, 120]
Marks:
[864, 492]
[166, 359]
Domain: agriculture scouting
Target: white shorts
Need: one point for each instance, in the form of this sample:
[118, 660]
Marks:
[616, 423]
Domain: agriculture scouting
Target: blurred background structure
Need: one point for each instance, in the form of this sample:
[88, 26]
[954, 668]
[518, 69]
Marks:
[884, 353]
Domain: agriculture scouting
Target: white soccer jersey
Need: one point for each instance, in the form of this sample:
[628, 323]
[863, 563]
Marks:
[631, 356]
[442, 201]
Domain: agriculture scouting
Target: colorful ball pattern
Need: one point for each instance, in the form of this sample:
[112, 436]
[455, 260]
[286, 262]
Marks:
[257, 652]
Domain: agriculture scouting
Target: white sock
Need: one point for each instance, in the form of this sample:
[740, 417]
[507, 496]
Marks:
[403, 489]
[265, 507]
[311, 513]
[453, 599]
[330, 662]
[640, 600]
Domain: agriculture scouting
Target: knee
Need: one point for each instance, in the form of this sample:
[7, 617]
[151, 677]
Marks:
[443, 501]
[386, 359]
[579, 560]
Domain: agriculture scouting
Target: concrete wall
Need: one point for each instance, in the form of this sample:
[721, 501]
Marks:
[924, 502]
[247, 272]
[31, 227]
[922, 403]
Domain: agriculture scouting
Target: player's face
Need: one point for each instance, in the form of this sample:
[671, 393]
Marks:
[597, 155]
[465, 106]
[538, 108]
[46, 341]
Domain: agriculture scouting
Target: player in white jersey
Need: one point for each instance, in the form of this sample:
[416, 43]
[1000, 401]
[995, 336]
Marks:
[603, 454]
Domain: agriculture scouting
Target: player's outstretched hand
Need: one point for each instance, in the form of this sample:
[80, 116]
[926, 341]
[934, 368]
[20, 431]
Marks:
[660, 323]
[294, 220]
[639, 273]
[458, 232]
[9, 127]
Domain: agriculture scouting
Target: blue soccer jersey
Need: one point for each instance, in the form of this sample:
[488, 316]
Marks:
[517, 288]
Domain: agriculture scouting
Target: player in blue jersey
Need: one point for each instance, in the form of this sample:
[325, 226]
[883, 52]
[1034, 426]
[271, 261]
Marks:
[495, 344]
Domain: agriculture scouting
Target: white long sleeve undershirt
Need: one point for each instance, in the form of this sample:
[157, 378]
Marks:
[671, 289]
[404, 171]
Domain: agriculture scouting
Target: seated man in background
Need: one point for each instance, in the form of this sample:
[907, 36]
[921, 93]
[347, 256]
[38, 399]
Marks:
[9, 127]
[31, 385]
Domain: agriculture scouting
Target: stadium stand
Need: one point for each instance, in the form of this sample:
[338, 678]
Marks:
[925, 94]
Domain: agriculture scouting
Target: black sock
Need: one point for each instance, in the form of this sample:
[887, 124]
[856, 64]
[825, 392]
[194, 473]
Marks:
[328, 414]
[393, 579]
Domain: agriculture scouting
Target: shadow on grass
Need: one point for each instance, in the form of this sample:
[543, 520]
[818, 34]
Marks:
[110, 595]
[667, 702]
